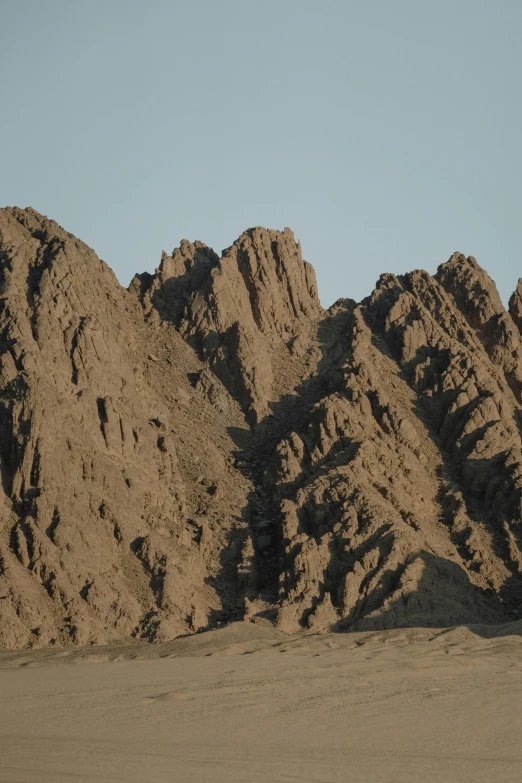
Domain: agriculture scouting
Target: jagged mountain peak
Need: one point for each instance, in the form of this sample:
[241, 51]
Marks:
[515, 306]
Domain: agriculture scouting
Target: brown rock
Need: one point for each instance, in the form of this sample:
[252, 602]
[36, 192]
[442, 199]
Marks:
[234, 310]
[211, 444]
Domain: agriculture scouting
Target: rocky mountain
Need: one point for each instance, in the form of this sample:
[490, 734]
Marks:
[211, 445]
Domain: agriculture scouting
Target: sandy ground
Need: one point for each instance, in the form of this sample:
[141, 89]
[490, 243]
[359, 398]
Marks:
[248, 704]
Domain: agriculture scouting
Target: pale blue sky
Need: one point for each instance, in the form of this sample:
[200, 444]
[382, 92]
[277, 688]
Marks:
[385, 133]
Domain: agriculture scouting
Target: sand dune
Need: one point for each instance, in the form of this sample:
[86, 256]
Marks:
[249, 704]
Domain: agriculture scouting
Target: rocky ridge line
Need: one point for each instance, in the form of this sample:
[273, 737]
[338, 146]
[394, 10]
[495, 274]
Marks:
[212, 445]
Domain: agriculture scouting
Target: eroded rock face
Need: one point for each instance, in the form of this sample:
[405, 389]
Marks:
[211, 445]
[515, 306]
[402, 495]
[476, 297]
[99, 533]
[237, 309]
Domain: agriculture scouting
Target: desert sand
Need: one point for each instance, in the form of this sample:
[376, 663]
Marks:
[248, 703]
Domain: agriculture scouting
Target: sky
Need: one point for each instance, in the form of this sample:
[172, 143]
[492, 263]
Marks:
[387, 135]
